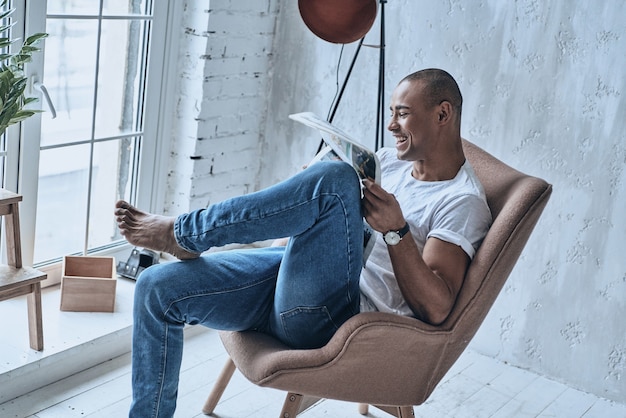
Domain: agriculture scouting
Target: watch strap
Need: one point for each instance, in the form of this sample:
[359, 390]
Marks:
[406, 228]
[394, 237]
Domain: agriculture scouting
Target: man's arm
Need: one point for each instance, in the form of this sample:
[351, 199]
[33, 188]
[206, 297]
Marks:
[429, 282]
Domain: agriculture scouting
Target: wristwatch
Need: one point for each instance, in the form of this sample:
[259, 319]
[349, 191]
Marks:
[394, 237]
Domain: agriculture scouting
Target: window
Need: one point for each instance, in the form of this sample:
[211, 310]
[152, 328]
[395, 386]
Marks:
[102, 67]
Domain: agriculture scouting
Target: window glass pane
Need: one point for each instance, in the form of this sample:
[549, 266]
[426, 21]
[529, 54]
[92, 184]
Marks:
[77, 7]
[61, 215]
[123, 7]
[84, 165]
[69, 74]
[118, 85]
[92, 7]
[113, 163]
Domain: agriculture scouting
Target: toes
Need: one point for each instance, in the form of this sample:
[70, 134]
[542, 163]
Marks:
[121, 204]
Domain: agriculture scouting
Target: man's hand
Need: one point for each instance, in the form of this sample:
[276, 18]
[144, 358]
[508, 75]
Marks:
[380, 208]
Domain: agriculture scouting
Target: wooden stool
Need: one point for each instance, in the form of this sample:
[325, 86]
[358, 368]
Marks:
[16, 280]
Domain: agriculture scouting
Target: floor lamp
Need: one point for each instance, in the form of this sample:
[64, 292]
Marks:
[380, 105]
[380, 118]
[333, 21]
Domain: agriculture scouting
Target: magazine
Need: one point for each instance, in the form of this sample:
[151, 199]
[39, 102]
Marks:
[340, 146]
[364, 161]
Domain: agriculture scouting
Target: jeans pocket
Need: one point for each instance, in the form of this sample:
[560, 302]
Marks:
[307, 327]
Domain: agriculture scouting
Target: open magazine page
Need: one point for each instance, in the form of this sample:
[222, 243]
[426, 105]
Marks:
[363, 160]
[339, 147]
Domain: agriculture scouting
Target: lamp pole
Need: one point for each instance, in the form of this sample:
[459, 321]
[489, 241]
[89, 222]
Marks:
[380, 103]
[380, 118]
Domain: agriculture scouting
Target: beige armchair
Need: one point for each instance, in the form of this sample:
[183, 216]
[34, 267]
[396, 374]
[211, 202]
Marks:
[390, 361]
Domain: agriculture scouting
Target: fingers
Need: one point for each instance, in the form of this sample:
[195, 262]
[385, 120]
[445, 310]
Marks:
[375, 190]
[375, 197]
[380, 208]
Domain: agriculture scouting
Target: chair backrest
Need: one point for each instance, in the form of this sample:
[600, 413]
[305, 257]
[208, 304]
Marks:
[516, 201]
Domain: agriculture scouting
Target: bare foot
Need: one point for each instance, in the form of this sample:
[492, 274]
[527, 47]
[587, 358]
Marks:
[155, 232]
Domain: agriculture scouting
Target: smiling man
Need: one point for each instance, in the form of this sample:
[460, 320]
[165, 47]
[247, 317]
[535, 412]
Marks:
[428, 185]
[430, 212]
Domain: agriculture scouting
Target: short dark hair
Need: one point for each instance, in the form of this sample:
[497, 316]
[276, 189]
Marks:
[439, 86]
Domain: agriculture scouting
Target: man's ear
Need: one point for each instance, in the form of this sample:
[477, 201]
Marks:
[444, 111]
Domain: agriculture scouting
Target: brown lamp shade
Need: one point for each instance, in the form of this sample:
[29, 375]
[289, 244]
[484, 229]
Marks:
[338, 21]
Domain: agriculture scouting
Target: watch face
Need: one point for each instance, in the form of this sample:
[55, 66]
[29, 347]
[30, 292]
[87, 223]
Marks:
[392, 238]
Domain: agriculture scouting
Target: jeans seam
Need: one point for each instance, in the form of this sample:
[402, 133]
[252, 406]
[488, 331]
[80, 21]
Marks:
[350, 252]
[157, 405]
[207, 293]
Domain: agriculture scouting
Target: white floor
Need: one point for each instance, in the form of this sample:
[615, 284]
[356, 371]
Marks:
[477, 386]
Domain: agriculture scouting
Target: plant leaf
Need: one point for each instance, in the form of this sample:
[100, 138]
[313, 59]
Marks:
[28, 49]
[21, 115]
[12, 78]
[29, 100]
[5, 13]
[35, 38]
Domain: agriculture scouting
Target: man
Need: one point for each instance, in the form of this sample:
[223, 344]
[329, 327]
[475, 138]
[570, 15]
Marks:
[430, 211]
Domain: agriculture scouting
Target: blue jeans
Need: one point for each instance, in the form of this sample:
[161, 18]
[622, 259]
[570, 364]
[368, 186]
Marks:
[300, 293]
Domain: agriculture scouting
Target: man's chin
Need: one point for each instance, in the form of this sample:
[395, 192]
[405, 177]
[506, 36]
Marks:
[401, 154]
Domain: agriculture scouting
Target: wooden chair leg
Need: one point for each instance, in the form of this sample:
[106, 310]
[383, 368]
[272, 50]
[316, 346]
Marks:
[406, 412]
[398, 411]
[220, 386]
[35, 322]
[296, 403]
[291, 405]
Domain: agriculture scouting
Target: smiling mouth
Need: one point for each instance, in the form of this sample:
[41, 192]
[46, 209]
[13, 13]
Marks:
[400, 139]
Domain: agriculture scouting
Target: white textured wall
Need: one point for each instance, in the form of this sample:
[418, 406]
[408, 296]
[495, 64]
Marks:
[223, 76]
[544, 91]
[544, 87]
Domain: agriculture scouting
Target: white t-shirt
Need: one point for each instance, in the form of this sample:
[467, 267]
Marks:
[454, 211]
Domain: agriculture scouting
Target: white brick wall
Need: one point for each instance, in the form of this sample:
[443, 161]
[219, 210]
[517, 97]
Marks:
[224, 65]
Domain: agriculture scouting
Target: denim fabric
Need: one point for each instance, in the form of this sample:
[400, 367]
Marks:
[300, 293]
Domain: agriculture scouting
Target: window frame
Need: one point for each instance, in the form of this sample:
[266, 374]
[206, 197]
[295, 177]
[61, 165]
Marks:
[23, 142]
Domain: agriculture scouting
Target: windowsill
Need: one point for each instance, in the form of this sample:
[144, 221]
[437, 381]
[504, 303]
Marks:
[73, 341]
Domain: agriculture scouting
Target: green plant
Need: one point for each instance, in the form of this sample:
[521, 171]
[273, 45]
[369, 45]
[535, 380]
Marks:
[12, 78]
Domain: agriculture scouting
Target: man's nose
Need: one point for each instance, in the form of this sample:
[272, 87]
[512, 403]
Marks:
[392, 125]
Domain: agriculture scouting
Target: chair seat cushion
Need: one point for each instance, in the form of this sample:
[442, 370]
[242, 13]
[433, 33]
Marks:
[358, 354]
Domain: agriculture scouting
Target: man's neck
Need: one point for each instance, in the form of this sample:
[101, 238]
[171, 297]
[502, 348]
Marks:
[438, 169]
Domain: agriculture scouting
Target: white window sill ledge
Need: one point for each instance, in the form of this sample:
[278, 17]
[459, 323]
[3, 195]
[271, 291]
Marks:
[73, 341]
